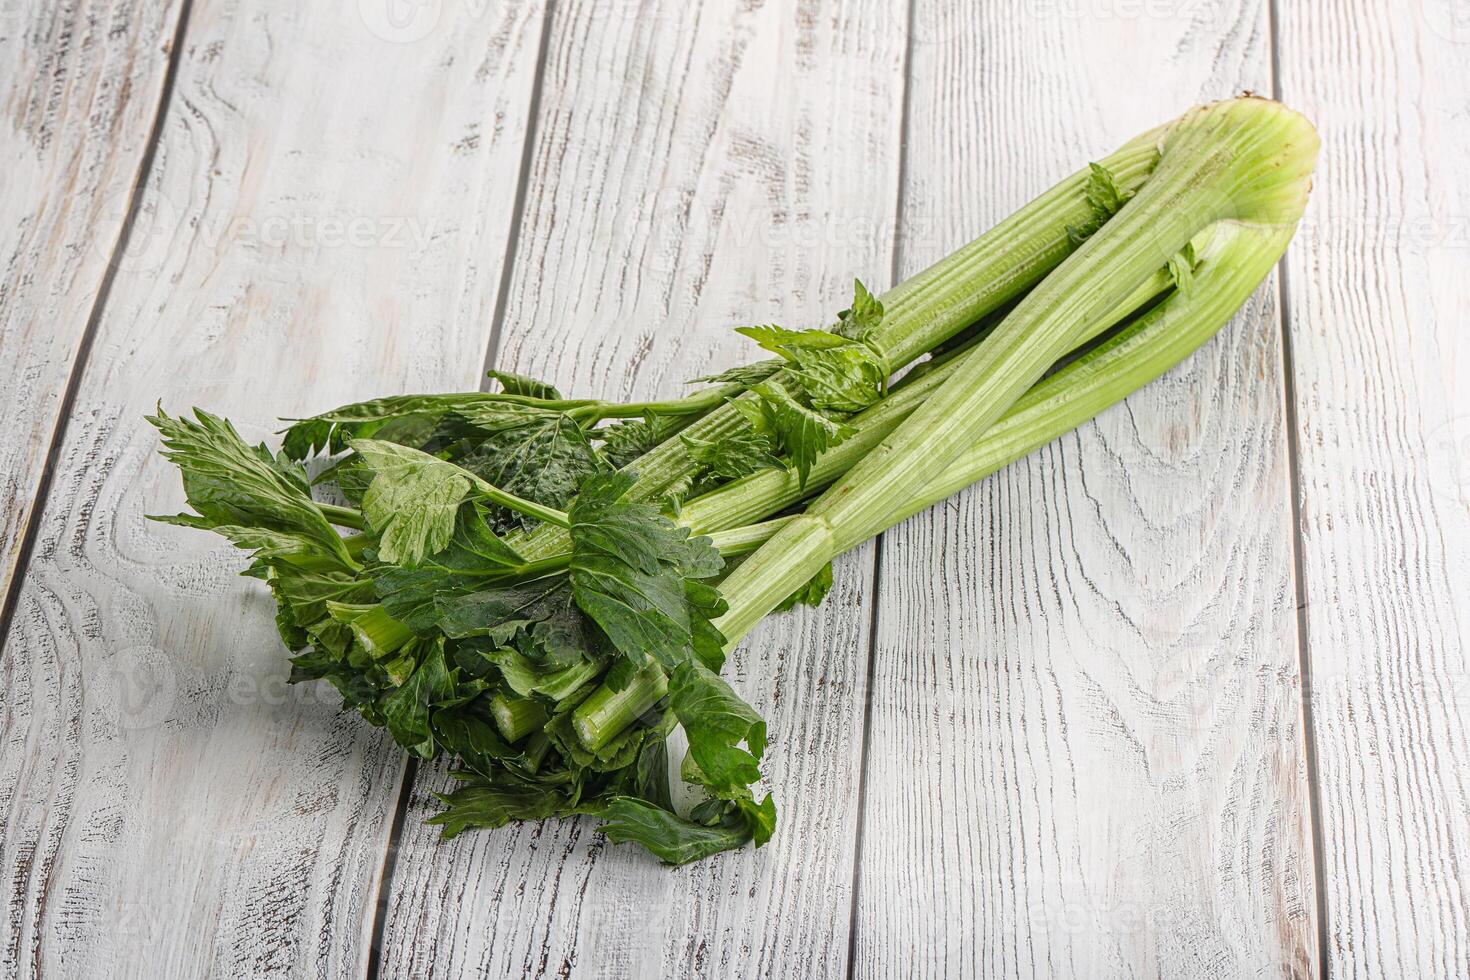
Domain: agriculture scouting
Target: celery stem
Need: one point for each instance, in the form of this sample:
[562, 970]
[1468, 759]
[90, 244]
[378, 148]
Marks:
[607, 712]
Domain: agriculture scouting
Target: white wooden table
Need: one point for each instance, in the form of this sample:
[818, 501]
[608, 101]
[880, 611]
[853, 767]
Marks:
[1183, 694]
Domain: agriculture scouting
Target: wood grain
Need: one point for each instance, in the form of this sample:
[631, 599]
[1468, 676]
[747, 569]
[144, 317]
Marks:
[326, 219]
[1085, 753]
[78, 95]
[1378, 298]
[698, 166]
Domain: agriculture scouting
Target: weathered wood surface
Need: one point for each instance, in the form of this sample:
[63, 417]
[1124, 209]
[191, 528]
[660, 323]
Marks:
[80, 85]
[1378, 298]
[326, 219]
[1085, 750]
[697, 166]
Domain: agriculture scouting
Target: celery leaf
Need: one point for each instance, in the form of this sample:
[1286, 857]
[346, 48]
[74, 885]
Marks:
[717, 722]
[636, 573]
[231, 484]
[412, 501]
[805, 432]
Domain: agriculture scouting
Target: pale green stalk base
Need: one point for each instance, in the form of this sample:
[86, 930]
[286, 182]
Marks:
[517, 717]
[606, 712]
[377, 632]
[538, 747]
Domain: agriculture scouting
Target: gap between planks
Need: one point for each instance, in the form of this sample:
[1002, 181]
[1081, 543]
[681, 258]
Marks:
[894, 269]
[1293, 479]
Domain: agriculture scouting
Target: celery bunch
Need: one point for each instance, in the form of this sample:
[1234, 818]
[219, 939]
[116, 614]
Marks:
[543, 587]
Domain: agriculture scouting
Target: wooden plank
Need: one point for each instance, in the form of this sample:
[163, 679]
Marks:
[80, 91]
[326, 220]
[1085, 754]
[698, 166]
[1378, 297]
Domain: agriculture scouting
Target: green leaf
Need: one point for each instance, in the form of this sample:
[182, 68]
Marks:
[303, 592]
[744, 374]
[670, 837]
[231, 484]
[406, 709]
[413, 500]
[416, 413]
[492, 417]
[473, 557]
[805, 433]
[519, 384]
[1105, 198]
[487, 806]
[837, 374]
[356, 689]
[717, 721]
[732, 456]
[537, 618]
[812, 593]
[471, 736]
[845, 379]
[863, 317]
[635, 573]
[626, 441]
[781, 341]
[760, 818]
[542, 460]
[1102, 191]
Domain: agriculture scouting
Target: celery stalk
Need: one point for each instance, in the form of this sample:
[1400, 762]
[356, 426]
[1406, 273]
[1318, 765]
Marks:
[1244, 160]
[517, 717]
[923, 311]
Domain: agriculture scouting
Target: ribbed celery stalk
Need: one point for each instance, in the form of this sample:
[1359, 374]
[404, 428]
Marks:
[924, 310]
[1242, 160]
[1238, 258]
[770, 491]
